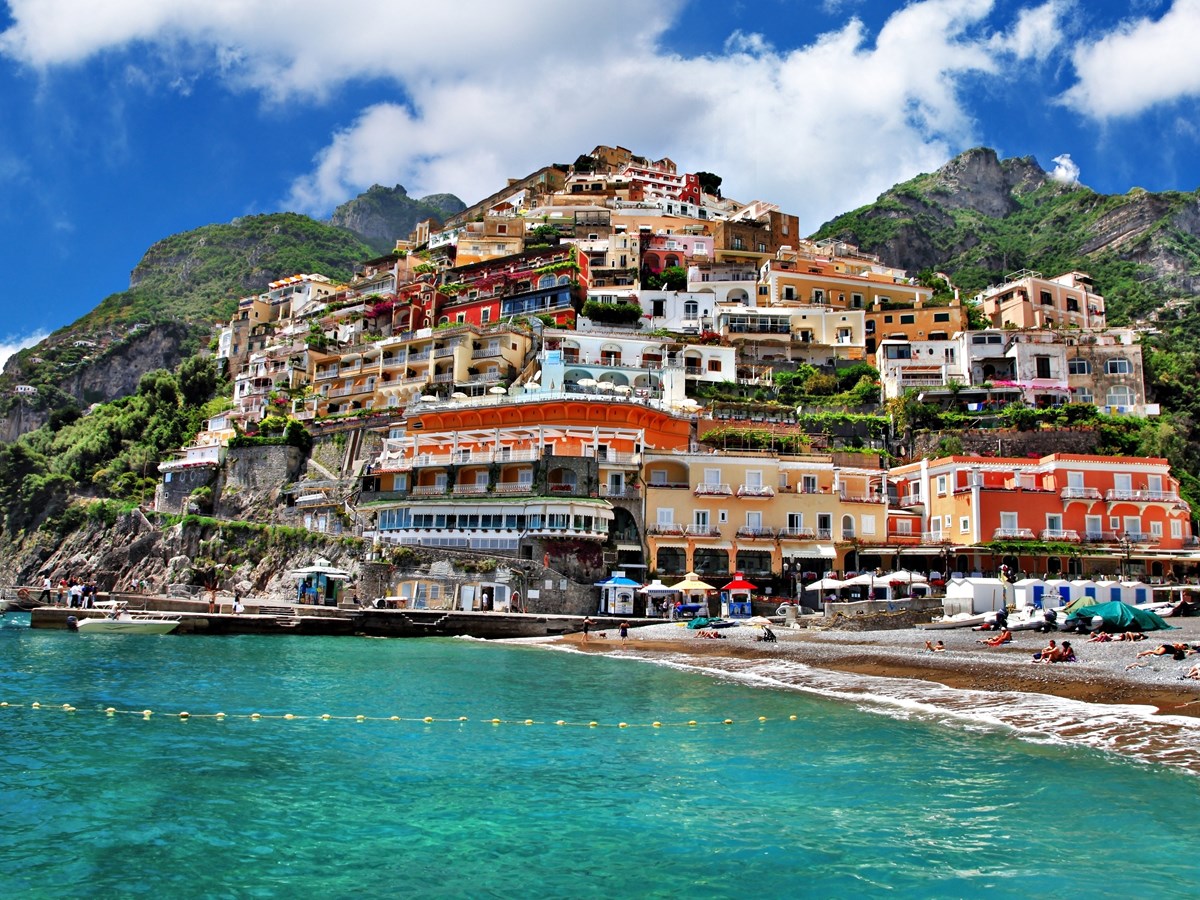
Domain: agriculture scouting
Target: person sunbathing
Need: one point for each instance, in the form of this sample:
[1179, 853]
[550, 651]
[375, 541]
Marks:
[1100, 637]
[1043, 655]
[1193, 672]
[1065, 653]
[1130, 636]
[1176, 651]
[1004, 637]
[935, 648]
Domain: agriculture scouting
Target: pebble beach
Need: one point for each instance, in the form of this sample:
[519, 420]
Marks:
[1100, 674]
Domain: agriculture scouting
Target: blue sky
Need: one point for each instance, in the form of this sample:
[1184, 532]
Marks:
[125, 121]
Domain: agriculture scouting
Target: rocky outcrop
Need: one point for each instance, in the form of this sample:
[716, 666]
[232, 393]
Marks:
[382, 215]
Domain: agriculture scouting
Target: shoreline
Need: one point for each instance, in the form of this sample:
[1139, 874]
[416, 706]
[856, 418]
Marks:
[1099, 677]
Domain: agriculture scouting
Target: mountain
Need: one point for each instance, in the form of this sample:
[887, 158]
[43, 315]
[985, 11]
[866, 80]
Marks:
[979, 217]
[181, 286]
[381, 215]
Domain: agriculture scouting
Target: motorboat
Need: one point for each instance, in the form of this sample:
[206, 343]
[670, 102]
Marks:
[960, 620]
[129, 623]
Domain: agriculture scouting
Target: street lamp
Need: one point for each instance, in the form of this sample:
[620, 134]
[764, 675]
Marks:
[1127, 550]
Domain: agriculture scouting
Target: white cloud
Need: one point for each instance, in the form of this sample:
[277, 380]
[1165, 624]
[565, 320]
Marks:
[1139, 65]
[11, 344]
[1066, 170]
[506, 88]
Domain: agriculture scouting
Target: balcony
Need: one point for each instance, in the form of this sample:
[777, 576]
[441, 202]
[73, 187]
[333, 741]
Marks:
[1142, 496]
[1013, 534]
[801, 534]
[707, 489]
[762, 491]
[1081, 493]
[938, 537]
[429, 490]
[1100, 537]
[701, 531]
[911, 500]
[514, 487]
[628, 492]
[486, 353]
[1134, 537]
[669, 528]
[856, 497]
[761, 534]
[473, 490]
[1058, 534]
[443, 352]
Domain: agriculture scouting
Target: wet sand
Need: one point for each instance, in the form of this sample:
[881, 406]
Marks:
[1100, 675]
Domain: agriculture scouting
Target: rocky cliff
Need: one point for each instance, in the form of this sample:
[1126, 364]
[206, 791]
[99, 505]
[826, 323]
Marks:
[382, 215]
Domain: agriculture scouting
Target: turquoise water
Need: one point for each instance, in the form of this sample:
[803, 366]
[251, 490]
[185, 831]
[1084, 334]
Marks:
[839, 800]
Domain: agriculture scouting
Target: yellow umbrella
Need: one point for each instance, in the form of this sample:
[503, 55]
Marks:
[691, 582]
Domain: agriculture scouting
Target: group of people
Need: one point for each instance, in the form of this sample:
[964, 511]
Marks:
[1053, 653]
[74, 593]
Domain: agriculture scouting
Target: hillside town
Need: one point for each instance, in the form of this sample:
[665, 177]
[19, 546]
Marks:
[582, 371]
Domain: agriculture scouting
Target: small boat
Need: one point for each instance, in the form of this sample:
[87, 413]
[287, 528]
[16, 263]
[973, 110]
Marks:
[126, 623]
[960, 620]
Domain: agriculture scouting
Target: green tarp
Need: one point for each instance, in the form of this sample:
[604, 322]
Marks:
[1121, 617]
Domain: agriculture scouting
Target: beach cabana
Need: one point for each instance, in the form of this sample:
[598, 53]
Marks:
[735, 597]
[977, 595]
[320, 583]
[1028, 592]
[658, 596]
[695, 595]
[1136, 592]
[616, 595]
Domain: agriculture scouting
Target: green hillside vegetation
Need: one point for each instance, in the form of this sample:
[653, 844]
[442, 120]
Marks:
[199, 275]
[112, 452]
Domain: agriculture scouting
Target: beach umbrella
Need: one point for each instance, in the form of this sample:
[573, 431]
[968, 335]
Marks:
[498, 390]
[430, 398]
[586, 382]
[826, 584]
[458, 395]
[903, 576]
[604, 385]
[622, 388]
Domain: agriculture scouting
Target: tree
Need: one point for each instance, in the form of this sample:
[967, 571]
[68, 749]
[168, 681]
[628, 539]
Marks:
[710, 183]
[544, 234]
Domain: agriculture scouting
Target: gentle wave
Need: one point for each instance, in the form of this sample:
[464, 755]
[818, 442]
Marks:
[1134, 732]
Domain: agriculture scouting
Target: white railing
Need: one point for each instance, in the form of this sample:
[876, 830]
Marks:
[801, 533]
[706, 489]
[1013, 534]
[1058, 534]
[911, 500]
[755, 490]
[701, 530]
[1148, 496]
[514, 487]
[1080, 493]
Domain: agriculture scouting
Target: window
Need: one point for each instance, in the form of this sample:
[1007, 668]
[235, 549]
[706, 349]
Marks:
[789, 293]
[908, 319]
[856, 300]
[665, 516]
[1054, 522]
[964, 524]
[700, 519]
[808, 484]
[1093, 526]
[460, 318]
[1154, 483]
[714, 365]
[1008, 521]
[795, 521]
[1133, 525]
[1118, 365]
[941, 317]
[1079, 366]
[1084, 395]
[1176, 528]
[887, 320]
[485, 316]
[712, 476]
[762, 248]
[868, 524]
[818, 296]
[1119, 395]
[691, 309]
[754, 520]
[941, 485]
[1156, 530]
[1047, 298]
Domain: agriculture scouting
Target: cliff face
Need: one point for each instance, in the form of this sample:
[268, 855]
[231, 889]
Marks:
[382, 215]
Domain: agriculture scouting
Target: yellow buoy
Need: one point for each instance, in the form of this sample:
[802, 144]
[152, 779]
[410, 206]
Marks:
[529, 721]
[762, 718]
[184, 715]
[622, 724]
[147, 713]
[35, 705]
[462, 718]
[560, 722]
[3, 703]
[288, 716]
[394, 719]
[325, 715]
[427, 719]
[66, 706]
[110, 711]
[729, 721]
[359, 718]
[69, 708]
[792, 718]
[256, 715]
[219, 715]
[592, 724]
[495, 721]
[692, 722]
[656, 724]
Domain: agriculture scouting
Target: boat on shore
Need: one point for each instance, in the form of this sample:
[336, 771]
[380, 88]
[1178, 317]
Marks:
[959, 620]
[128, 623]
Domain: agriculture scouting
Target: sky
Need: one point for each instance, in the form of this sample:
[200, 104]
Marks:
[125, 121]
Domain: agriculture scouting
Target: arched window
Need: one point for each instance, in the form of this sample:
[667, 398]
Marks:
[1119, 395]
[546, 281]
[1079, 366]
[1118, 365]
[847, 527]
[691, 309]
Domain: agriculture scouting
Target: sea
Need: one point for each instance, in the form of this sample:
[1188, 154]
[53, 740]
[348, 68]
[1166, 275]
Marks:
[359, 767]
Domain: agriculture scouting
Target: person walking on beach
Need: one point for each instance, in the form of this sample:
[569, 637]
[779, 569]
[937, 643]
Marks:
[624, 629]
[587, 625]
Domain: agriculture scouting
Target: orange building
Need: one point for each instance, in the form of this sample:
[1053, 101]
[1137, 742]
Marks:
[1098, 513]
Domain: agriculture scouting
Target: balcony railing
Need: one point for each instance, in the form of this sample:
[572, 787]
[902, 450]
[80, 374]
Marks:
[486, 352]
[935, 537]
[1081, 493]
[911, 500]
[1013, 534]
[706, 489]
[1100, 537]
[429, 490]
[804, 534]
[855, 497]
[701, 531]
[1058, 534]
[756, 490]
[628, 492]
[470, 489]
[666, 528]
[514, 487]
[756, 533]
[1142, 496]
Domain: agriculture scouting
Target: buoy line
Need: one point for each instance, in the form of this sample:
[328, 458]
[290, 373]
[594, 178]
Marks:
[185, 716]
